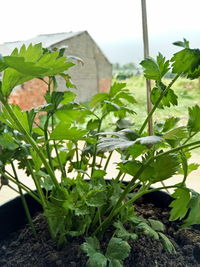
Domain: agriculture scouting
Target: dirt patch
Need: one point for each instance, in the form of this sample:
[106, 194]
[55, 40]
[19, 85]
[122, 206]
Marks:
[22, 249]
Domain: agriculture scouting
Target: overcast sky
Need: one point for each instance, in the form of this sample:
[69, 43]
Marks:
[105, 20]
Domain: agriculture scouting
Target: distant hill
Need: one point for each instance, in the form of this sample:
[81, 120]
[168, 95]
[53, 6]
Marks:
[131, 50]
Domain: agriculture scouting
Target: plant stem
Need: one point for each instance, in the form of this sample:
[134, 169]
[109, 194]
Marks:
[95, 147]
[38, 187]
[164, 92]
[24, 203]
[108, 160]
[46, 125]
[32, 142]
[63, 171]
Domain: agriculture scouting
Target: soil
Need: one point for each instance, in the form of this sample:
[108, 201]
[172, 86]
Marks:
[22, 249]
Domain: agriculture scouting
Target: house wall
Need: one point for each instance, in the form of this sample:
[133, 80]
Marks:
[30, 95]
[96, 73]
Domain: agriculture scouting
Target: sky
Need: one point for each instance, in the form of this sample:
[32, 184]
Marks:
[107, 21]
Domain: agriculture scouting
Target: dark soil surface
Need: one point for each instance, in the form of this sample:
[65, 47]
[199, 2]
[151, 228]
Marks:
[22, 249]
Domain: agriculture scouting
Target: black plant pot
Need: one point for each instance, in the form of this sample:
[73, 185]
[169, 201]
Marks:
[12, 214]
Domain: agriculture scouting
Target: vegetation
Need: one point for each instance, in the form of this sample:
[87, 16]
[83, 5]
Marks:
[88, 205]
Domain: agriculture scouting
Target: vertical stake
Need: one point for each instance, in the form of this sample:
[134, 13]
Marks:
[146, 55]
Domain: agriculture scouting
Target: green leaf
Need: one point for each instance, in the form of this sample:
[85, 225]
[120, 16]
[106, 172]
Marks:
[187, 62]
[194, 121]
[97, 260]
[162, 173]
[7, 141]
[169, 99]
[194, 208]
[121, 232]
[21, 116]
[116, 88]
[191, 167]
[156, 225]
[147, 230]
[177, 133]
[167, 243]
[98, 99]
[31, 53]
[68, 97]
[92, 248]
[3, 65]
[96, 198]
[155, 70]
[115, 263]
[185, 43]
[180, 204]
[64, 132]
[170, 123]
[12, 78]
[117, 249]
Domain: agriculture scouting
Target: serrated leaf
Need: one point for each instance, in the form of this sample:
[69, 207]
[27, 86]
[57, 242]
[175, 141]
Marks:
[21, 116]
[116, 88]
[121, 232]
[187, 62]
[64, 132]
[180, 204]
[162, 173]
[156, 225]
[110, 144]
[185, 43]
[68, 97]
[169, 99]
[149, 140]
[147, 230]
[191, 167]
[194, 208]
[177, 133]
[117, 249]
[98, 99]
[167, 244]
[194, 121]
[97, 260]
[155, 70]
[170, 123]
[92, 248]
[115, 263]
[7, 141]
[96, 198]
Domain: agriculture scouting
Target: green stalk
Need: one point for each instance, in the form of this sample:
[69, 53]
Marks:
[37, 184]
[47, 141]
[24, 203]
[57, 154]
[164, 92]
[108, 160]
[95, 147]
[32, 142]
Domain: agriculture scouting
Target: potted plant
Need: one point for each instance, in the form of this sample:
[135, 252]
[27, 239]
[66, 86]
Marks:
[99, 219]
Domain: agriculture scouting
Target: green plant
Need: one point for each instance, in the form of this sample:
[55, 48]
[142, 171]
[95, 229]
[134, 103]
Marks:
[86, 204]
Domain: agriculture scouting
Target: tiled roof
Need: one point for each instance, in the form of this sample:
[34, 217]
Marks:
[47, 40]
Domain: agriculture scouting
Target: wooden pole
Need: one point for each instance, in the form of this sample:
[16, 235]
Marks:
[146, 55]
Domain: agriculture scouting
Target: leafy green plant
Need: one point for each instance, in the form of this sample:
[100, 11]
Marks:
[67, 156]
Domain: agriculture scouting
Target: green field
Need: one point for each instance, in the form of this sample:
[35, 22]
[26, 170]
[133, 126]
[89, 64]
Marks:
[188, 92]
